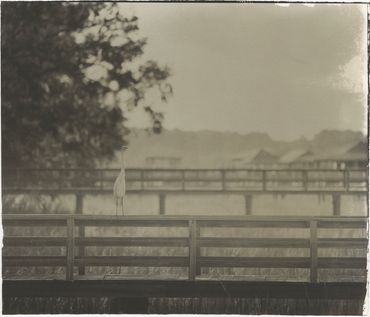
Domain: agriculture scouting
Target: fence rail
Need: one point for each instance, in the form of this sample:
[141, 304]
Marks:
[187, 179]
[75, 255]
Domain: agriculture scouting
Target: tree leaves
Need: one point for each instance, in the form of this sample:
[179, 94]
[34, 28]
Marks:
[53, 112]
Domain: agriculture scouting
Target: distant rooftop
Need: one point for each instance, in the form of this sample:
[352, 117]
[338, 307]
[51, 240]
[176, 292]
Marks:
[294, 155]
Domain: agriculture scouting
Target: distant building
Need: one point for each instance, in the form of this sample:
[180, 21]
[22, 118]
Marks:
[162, 162]
[352, 157]
[355, 157]
[299, 159]
[254, 159]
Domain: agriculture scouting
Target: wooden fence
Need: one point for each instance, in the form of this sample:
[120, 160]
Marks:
[75, 243]
[187, 179]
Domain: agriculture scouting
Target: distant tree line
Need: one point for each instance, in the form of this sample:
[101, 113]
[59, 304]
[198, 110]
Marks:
[55, 113]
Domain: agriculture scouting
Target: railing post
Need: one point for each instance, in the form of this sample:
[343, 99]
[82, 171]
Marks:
[305, 180]
[223, 180]
[197, 236]
[313, 251]
[346, 180]
[194, 268]
[264, 180]
[79, 203]
[101, 179]
[141, 179]
[248, 204]
[81, 231]
[70, 248]
[162, 203]
[183, 179]
[336, 204]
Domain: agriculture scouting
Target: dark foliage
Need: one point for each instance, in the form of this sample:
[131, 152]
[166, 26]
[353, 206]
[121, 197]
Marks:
[53, 113]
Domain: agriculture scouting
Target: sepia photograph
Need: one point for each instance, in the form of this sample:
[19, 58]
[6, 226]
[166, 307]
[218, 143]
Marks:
[184, 157]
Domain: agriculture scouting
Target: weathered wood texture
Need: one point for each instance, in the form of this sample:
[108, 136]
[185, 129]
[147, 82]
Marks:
[70, 248]
[313, 251]
[81, 229]
[194, 242]
[132, 289]
[193, 247]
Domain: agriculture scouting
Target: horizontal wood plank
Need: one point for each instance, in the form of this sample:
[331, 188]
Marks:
[131, 221]
[116, 222]
[342, 243]
[312, 190]
[137, 241]
[342, 263]
[34, 241]
[185, 289]
[250, 223]
[140, 261]
[254, 242]
[256, 262]
[28, 261]
[34, 220]
[335, 223]
[253, 170]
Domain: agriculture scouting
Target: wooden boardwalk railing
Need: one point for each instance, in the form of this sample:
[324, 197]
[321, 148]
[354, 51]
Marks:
[221, 180]
[194, 241]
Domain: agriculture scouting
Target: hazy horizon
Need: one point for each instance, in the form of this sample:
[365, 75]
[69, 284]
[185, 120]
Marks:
[287, 71]
[364, 133]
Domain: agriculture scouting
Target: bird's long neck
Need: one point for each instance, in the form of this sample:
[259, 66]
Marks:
[122, 161]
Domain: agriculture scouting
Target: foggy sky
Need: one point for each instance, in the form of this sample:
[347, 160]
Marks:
[288, 71]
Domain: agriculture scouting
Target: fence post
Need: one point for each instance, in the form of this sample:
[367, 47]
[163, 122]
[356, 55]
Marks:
[183, 180]
[162, 203]
[223, 180]
[346, 180]
[70, 247]
[101, 179]
[336, 204]
[248, 204]
[313, 251]
[263, 180]
[141, 179]
[305, 180]
[81, 231]
[197, 236]
[193, 249]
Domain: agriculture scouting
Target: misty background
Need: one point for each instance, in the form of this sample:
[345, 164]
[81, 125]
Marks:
[252, 77]
[286, 71]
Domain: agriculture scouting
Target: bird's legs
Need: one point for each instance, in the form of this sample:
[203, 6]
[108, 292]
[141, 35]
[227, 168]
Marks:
[119, 207]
